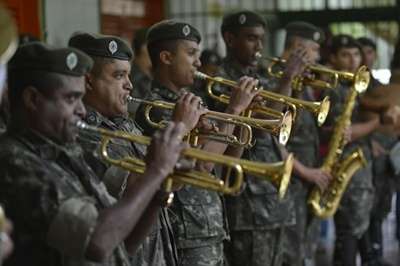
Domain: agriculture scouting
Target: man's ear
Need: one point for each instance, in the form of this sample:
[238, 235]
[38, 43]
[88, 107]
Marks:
[229, 38]
[31, 98]
[166, 57]
[88, 82]
[332, 59]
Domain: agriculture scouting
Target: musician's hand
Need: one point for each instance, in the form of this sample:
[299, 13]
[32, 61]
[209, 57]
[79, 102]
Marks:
[392, 115]
[242, 95]
[318, 177]
[188, 110]
[6, 243]
[347, 134]
[165, 149]
[377, 149]
[296, 64]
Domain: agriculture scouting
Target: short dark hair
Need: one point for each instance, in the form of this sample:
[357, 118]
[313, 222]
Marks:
[20, 80]
[364, 41]
[139, 40]
[155, 48]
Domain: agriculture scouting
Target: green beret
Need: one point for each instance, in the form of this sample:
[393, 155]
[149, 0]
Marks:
[245, 18]
[172, 30]
[37, 56]
[343, 41]
[101, 45]
[305, 30]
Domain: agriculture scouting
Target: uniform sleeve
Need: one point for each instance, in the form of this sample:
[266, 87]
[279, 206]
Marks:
[72, 227]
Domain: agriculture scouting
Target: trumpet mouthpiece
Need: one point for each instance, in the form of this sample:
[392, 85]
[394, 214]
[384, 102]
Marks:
[200, 75]
[82, 125]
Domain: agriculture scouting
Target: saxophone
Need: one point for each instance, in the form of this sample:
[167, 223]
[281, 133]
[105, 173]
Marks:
[324, 204]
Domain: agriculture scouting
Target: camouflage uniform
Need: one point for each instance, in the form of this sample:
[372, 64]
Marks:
[256, 217]
[158, 248]
[197, 214]
[53, 198]
[352, 217]
[383, 182]
[304, 143]
[141, 87]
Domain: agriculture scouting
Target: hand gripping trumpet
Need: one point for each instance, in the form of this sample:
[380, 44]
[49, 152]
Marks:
[359, 80]
[279, 127]
[320, 109]
[278, 173]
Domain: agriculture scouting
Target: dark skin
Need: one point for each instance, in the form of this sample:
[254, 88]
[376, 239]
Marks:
[119, 222]
[176, 70]
[107, 93]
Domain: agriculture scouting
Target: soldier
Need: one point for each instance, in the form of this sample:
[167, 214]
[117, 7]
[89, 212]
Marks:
[108, 86]
[383, 175]
[257, 218]
[352, 217]
[8, 44]
[62, 212]
[197, 218]
[304, 143]
[141, 68]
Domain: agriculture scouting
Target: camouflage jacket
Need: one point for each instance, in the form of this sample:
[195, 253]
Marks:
[197, 214]
[158, 247]
[258, 207]
[363, 178]
[53, 198]
[141, 86]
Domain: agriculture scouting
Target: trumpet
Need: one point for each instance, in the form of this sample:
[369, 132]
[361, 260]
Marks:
[360, 79]
[278, 173]
[280, 127]
[319, 109]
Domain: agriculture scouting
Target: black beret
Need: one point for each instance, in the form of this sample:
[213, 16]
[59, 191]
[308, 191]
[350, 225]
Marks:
[241, 19]
[364, 41]
[101, 45]
[305, 30]
[37, 56]
[210, 57]
[172, 30]
[343, 41]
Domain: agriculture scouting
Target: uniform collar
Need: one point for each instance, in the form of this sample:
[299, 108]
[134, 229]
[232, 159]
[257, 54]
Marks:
[164, 92]
[234, 69]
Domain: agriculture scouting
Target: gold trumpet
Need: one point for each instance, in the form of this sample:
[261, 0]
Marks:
[278, 173]
[360, 80]
[319, 109]
[280, 127]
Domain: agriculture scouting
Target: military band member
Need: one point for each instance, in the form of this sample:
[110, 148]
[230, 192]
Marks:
[108, 86]
[352, 217]
[197, 215]
[62, 212]
[257, 219]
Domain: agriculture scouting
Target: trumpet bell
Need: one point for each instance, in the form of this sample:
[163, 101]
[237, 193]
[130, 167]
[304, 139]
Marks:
[286, 128]
[361, 79]
[323, 111]
[283, 183]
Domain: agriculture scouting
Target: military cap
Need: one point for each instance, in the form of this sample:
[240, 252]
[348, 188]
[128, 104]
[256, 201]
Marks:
[210, 57]
[101, 45]
[39, 56]
[364, 41]
[343, 41]
[172, 30]
[241, 19]
[304, 30]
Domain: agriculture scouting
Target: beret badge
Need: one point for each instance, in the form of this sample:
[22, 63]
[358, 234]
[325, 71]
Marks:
[71, 61]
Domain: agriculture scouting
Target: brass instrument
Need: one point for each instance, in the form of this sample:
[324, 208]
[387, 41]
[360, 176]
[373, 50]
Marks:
[277, 173]
[325, 204]
[320, 109]
[279, 127]
[359, 80]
